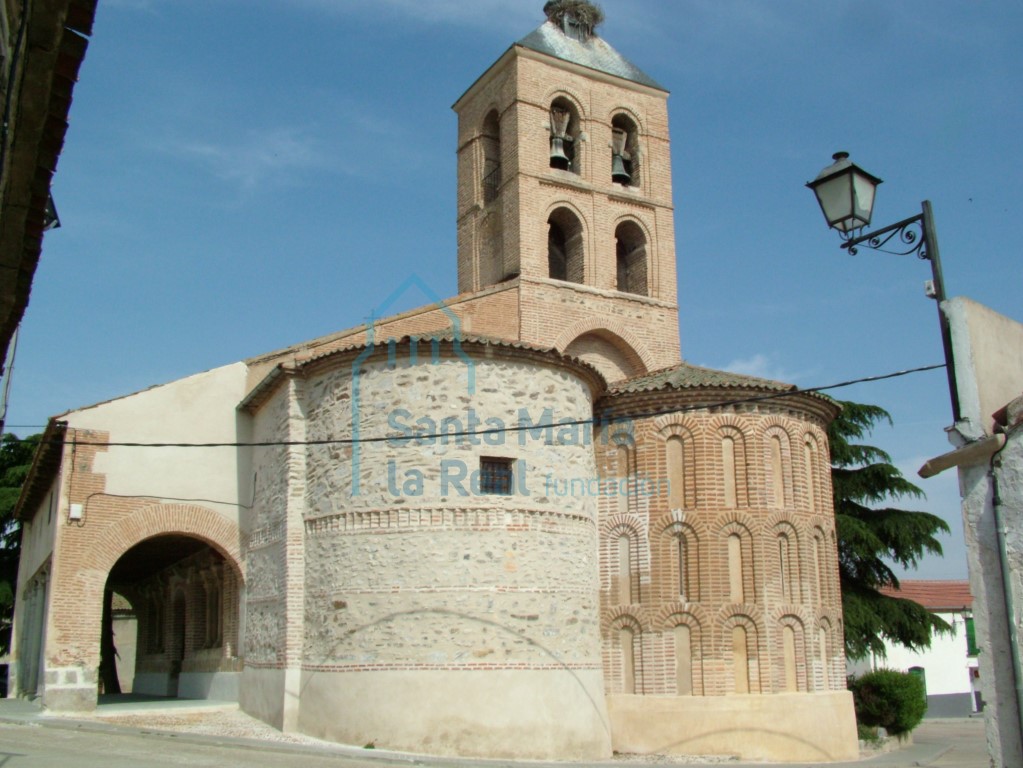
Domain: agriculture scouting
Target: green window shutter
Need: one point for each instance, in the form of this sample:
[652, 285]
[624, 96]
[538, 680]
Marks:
[971, 638]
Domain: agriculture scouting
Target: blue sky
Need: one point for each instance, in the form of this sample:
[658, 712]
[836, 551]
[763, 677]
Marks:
[240, 176]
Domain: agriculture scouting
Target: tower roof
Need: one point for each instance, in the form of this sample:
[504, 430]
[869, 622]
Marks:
[686, 376]
[592, 52]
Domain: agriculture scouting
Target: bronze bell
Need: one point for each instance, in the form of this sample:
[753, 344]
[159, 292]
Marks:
[558, 157]
[618, 172]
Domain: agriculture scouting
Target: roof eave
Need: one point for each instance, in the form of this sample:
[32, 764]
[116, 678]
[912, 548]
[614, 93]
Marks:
[55, 47]
[45, 466]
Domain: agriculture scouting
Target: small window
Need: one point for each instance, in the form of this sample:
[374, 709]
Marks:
[496, 476]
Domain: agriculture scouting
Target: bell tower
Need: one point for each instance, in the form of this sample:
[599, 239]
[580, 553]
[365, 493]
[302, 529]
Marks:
[564, 191]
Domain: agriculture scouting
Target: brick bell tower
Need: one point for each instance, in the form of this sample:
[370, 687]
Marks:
[564, 194]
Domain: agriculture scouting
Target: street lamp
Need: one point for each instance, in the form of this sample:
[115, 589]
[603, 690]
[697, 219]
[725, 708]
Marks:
[846, 194]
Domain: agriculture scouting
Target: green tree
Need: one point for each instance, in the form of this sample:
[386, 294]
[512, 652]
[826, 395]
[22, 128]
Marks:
[870, 536]
[15, 461]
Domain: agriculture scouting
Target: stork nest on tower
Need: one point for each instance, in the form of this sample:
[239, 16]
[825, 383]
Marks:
[584, 12]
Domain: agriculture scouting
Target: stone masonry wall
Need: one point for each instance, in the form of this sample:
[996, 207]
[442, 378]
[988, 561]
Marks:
[266, 595]
[415, 569]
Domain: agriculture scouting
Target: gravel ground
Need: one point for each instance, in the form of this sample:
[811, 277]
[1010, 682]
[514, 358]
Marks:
[231, 723]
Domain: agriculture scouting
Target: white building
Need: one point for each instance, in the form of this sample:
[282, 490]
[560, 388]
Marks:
[949, 666]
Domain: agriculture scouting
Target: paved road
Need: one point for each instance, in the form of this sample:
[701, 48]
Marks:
[52, 743]
[964, 740]
[36, 746]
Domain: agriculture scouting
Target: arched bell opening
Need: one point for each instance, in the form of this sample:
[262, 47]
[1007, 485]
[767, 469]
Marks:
[631, 271]
[625, 167]
[565, 254]
[490, 139]
[564, 136]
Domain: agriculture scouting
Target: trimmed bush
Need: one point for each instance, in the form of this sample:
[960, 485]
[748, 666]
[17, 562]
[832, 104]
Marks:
[895, 701]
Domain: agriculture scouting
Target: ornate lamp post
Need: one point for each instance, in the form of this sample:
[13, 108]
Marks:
[846, 194]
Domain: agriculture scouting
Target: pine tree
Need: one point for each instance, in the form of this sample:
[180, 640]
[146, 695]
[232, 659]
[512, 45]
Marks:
[869, 537]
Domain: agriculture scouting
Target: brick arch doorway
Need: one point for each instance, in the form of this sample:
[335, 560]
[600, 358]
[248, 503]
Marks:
[184, 595]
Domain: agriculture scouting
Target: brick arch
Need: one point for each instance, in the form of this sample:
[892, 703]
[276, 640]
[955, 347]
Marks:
[635, 528]
[788, 579]
[773, 420]
[829, 657]
[632, 616]
[824, 567]
[671, 614]
[803, 651]
[492, 106]
[667, 620]
[614, 333]
[770, 431]
[723, 421]
[683, 486]
[817, 475]
[735, 521]
[825, 619]
[679, 517]
[634, 219]
[631, 112]
[162, 519]
[632, 524]
[750, 619]
[568, 95]
[571, 207]
[677, 425]
[782, 517]
[730, 613]
[749, 550]
[678, 575]
[782, 614]
[86, 584]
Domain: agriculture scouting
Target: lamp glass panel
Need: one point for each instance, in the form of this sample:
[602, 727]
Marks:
[835, 198]
[864, 188]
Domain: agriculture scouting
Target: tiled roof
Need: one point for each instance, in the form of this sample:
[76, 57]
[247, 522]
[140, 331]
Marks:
[441, 337]
[595, 53]
[934, 595]
[259, 392]
[684, 376]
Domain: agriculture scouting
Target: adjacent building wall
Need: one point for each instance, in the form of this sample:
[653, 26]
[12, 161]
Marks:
[947, 667]
[988, 360]
[124, 494]
[988, 355]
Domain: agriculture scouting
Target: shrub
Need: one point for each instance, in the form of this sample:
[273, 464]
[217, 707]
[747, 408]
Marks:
[895, 701]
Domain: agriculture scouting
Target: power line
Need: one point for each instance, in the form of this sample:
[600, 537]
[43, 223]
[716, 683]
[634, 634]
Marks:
[599, 420]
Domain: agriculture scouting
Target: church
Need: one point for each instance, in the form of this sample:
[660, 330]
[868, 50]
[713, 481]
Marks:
[508, 524]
